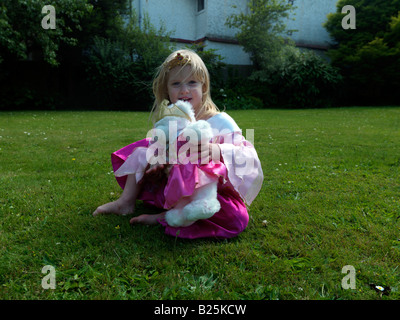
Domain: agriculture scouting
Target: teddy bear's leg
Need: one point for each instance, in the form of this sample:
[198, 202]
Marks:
[175, 216]
[204, 203]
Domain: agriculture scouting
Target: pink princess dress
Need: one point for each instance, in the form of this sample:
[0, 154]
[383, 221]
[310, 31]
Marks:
[239, 175]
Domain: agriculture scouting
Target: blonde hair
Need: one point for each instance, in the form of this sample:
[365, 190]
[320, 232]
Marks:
[199, 71]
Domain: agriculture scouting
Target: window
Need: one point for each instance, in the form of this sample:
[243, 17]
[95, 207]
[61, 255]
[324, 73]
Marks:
[200, 5]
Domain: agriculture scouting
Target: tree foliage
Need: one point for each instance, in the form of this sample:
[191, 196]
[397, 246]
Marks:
[305, 80]
[107, 20]
[21, 32]
[368, 56]
[100, 52]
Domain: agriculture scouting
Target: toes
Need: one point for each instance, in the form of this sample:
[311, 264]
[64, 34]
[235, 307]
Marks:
[134, 220]
[97, 212]
[146, 219]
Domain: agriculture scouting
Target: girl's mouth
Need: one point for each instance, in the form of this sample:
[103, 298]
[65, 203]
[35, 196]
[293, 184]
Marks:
[185, 99]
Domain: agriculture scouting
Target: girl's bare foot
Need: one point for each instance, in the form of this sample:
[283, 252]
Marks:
[117, 207]
[147, 219]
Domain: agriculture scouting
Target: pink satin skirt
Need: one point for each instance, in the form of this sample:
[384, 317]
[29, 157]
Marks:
[229, 222]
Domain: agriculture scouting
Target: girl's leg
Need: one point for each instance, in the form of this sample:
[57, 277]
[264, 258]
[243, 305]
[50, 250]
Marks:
[126, 203]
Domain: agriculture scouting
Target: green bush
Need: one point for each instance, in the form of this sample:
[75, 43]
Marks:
[299, 79]
[121, 71]
[236, 98]
[368, 56]
[110, 73]
[296, 79]
[306, 80]
[23, 97]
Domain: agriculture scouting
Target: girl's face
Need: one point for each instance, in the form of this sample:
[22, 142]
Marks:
[183, 86]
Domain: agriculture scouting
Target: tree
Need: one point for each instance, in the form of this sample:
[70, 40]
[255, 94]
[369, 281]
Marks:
[368, 56]
[260, 32]
[107, 20]
[21, 32]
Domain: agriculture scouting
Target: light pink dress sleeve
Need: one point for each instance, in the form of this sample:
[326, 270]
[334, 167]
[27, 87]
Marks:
[239, 156]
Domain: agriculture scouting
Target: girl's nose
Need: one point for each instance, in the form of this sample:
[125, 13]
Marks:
[184, 87]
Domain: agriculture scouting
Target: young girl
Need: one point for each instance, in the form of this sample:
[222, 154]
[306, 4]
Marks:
[184, 76]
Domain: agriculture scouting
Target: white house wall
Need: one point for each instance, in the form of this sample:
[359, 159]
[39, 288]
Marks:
[187, 25]
[218, 12]
[232, 53]
[177, 15]
[310, 15]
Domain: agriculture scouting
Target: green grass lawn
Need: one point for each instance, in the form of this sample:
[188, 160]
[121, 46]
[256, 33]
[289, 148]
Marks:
[330, 198]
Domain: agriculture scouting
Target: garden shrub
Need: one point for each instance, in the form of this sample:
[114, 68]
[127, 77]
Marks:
[369, 56]
[121, 71]
[236, 98]
[110, 72]
[299, 79]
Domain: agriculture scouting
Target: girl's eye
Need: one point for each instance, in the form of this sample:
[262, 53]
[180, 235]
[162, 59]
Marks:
[191, 83]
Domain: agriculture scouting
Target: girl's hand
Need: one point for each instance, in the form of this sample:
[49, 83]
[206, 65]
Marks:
[208, 153]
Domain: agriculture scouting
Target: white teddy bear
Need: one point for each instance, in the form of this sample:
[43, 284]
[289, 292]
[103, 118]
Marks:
[203, 203]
